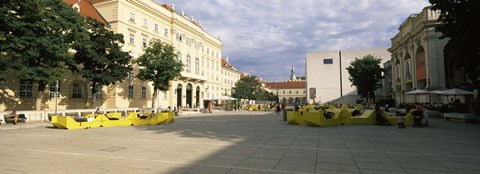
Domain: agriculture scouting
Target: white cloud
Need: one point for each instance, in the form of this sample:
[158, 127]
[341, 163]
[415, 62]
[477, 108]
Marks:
[267, 37]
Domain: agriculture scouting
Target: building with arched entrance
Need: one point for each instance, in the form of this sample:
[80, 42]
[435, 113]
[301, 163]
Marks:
[139, 22]
[421, 60]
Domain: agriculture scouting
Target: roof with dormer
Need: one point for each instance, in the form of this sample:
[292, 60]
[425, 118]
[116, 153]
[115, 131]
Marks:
[87, 10]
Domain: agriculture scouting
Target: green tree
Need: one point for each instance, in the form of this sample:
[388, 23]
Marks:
[459, 20]
[365, 73]
[246, 88]
[159, 65]
[100, 59]
[35, 39]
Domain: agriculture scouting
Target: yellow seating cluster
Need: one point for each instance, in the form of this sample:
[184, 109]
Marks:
[342, 116]
[112, 119]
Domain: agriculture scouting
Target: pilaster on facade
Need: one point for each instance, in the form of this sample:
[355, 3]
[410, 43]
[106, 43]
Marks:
[417, 55]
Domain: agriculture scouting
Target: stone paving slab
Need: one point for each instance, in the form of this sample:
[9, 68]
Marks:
[240, 142]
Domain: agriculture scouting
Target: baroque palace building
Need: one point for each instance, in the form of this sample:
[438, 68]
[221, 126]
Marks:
[140, 22]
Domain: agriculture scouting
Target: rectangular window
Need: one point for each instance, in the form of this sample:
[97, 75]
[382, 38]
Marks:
[145, 22]
[165, 95]
[132, 17]
[144, 42]
[166, 33]
[155, 28]
[130, 92]
[144, 92]
[52, 90]
[132, 38]
[327, 61]
[26, 88]
[76, 90]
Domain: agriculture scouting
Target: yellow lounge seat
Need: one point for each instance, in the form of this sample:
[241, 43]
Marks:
[317, 118]
[393, 120]
[366, 118]
[294, 117]
[68, 122]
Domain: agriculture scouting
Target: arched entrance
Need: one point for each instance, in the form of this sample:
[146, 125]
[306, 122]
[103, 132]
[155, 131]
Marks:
[179, 95]
[197, 97]
[421, 71]
[189, 95]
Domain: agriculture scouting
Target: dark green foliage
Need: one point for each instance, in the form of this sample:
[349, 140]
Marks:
[35, 38]
[365, 73]
[247, 88]
[100, 59]
[159, 65]
[459, 22]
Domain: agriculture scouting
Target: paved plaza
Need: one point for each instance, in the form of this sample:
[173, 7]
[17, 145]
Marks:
[240, 142]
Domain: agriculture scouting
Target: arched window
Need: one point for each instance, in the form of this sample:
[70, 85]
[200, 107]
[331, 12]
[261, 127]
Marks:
[179, 56]
[197, 66]
[189, 64]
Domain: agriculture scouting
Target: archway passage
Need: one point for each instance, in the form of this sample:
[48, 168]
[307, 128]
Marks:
[197, 97]
[189, 95]
[420, 68]
[179, 95]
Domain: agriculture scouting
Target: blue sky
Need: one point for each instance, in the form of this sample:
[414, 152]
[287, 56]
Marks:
[266, 37]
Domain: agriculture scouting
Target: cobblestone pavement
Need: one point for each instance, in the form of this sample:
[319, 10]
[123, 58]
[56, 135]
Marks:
[240, 142]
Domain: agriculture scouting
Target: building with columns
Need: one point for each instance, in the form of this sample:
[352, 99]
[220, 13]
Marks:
[419, 59]
[140, 22]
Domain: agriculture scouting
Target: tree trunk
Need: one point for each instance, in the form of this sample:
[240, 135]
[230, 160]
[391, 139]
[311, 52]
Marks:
[93, 103]
[40, 95]
[154, 100]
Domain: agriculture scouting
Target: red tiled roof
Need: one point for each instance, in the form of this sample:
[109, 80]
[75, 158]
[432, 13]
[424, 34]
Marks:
[169, 8]
[87, 9]
[286, 85]
[227, 65]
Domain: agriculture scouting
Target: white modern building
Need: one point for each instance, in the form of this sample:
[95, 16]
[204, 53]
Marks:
[327, 75]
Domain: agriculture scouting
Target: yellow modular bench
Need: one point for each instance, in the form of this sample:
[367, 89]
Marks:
[317, 118]
[294, 117]
[151, 120]
[366, 118]
[393, 120]
[170, 117]
[109, 122]
[68, 122]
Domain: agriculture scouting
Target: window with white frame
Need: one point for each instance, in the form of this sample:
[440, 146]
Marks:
[165, 95]
[132, 38]
[179, 56]
[189, 64]
[166, 32]
[144, 92]
[197, 66]
[145, 22]
[130, 91]
[76, 90]
[54, 91]
[26, 88]
[132, 17]
[144, 42]
[155, 28]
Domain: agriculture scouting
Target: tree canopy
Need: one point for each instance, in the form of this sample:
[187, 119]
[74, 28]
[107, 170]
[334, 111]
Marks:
[459, 23]
[35, 39]
[365, 73]
[99, 59]
[158, 64]
[247, 88]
